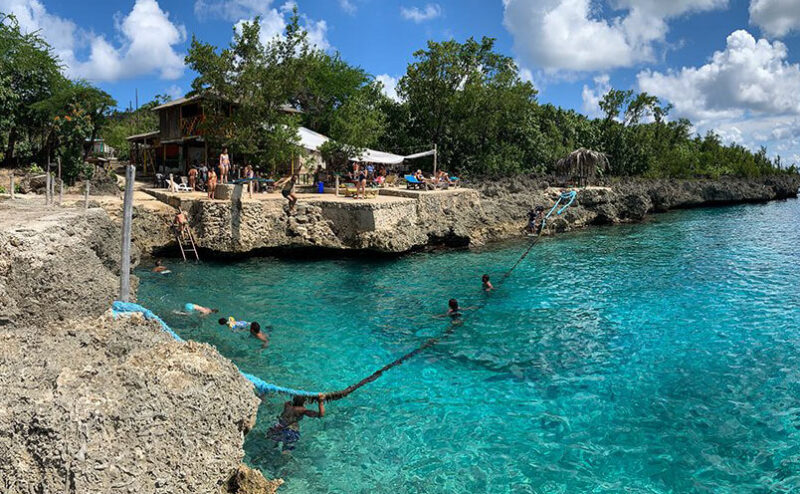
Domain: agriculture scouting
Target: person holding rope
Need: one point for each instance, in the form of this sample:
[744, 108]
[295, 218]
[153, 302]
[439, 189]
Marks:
[287, 430]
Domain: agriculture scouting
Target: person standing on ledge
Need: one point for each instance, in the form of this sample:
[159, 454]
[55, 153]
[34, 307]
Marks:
[288, 191]
[287, 429]
[212, 183]
[224, 166]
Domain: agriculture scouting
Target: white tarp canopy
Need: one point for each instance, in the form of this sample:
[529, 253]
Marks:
[314, 140]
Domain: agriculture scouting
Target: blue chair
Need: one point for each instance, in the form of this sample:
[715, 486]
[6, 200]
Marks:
[413, 183]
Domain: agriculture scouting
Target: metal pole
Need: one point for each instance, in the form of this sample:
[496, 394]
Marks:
[11, 190]
[337, 186]
[171, 183]
[435, 159]
[86, 197]
[47, 186]
[127, 213]
[60, 183]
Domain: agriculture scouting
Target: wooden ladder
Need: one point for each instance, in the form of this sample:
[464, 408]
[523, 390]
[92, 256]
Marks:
[187, 235]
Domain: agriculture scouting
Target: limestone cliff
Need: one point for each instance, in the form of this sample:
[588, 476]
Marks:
[90, 404]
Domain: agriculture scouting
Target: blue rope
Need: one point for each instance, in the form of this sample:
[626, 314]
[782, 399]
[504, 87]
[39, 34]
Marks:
[571, 195]
[125, 308]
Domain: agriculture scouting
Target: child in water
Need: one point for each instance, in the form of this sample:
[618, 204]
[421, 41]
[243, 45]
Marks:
[237, 326]
[454, 311]
[487, 285]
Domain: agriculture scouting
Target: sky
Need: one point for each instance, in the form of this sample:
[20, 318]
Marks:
[728, 65]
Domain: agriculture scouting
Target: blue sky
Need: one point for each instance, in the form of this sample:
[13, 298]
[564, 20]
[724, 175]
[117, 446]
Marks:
[729, 65]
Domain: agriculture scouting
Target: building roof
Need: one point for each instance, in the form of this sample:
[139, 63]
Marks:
[287, 108]
[146, 135]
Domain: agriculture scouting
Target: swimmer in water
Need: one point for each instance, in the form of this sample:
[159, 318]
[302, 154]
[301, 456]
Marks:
[287, 429]
[487, 285]
[233, 324]
[199, 308]
[255, 331]
[454, 311]
[239, 326]
[160, 268]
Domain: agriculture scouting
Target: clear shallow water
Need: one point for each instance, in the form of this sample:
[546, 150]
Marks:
[662, 357]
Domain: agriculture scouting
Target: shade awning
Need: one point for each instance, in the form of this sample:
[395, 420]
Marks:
[313, 141]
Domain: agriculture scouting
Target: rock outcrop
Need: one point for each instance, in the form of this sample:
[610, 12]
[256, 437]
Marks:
[91, 404]
[56, 263]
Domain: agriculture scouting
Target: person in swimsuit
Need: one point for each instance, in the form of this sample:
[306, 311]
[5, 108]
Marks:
[234, 325]
[249, 175]
[535, 217]
[287, 429]
[224, 166]
[180, 222]
[454, 311]
[212, 183]
[199, 308]
[255, 332]
[160, 268]
[361, 184]
[487, 285]
[287, 191]
[193, 178]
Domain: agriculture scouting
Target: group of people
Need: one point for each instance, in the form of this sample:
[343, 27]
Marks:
[286, 430]
[361, 174]
[439, 180]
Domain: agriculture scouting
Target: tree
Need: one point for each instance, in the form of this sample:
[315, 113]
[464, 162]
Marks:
[29, 72]
[471, 102]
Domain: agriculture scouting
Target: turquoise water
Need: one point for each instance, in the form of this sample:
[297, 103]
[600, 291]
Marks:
[660, 357]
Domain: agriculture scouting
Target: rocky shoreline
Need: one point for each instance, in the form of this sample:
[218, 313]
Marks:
[96, 404]
[491, 211]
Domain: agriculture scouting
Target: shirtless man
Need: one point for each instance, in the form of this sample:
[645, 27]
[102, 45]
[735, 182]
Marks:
[180, 222]
[160, 268]
[287, 429]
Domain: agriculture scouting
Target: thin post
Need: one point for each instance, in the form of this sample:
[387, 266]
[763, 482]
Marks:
[86, 196]
[47, 185]
[171, 183]
[435, 159]
[60, 183]
[127, 214]
[337, 186]
[11, 190]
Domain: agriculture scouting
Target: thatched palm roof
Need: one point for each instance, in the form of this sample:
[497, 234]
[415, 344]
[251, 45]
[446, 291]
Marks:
[583, 163]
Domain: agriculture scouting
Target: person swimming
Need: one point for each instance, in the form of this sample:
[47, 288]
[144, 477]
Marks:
[487, 285]
[199, 308]
[160, 268]
[255, 331]
[287, 430]
[233, 324]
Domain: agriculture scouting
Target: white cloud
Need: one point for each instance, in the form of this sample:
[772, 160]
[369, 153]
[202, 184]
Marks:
[775, 17]
[569, 35]
[174, 92]
[273, 20]
[592, 96]
[749, 93]
[389, 86]
[348, 6]
[147, 40]
[429, 12]
[748, 76]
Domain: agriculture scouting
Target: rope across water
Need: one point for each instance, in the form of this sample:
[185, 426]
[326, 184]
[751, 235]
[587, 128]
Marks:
[263, 387]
